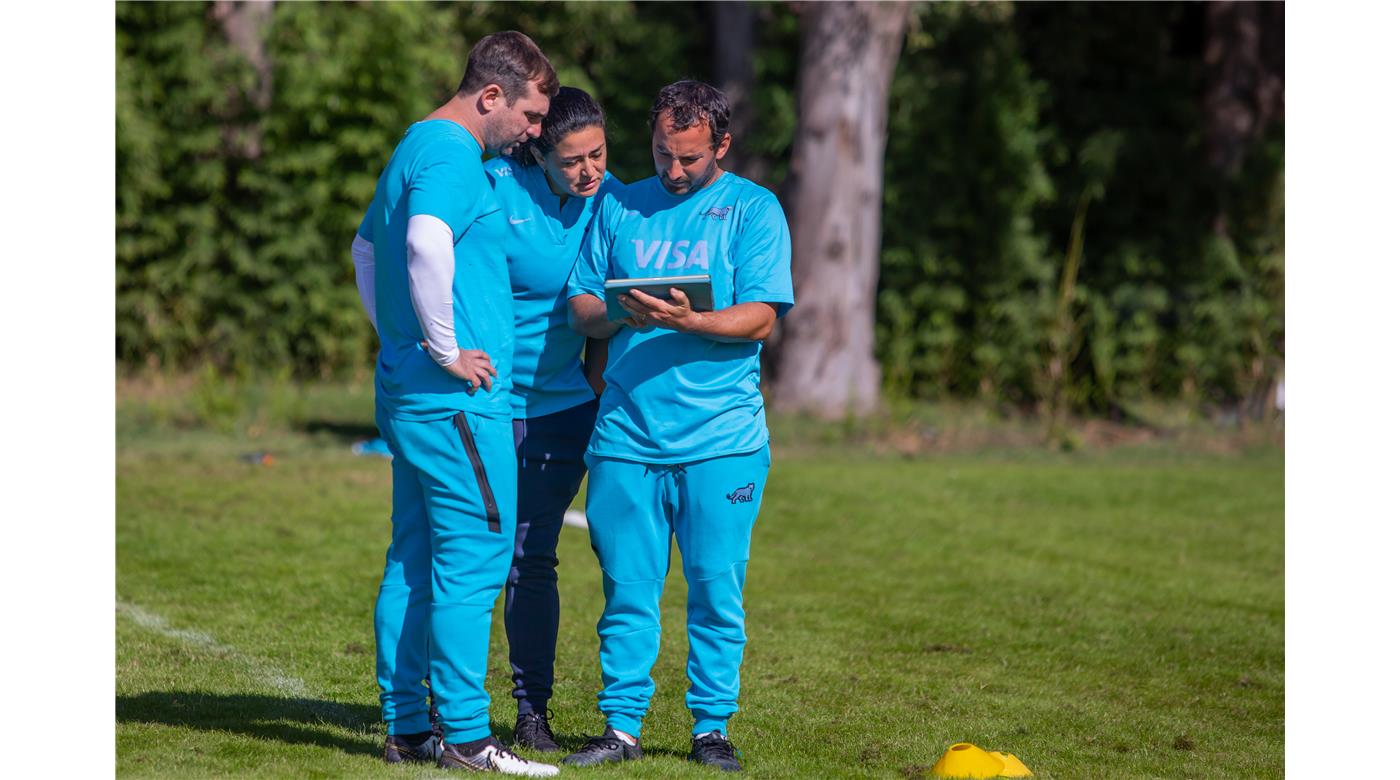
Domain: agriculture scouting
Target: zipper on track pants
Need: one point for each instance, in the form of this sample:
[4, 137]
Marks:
[493, 514]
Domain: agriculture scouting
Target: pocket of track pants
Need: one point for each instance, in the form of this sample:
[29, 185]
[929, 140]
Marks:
[493, 513]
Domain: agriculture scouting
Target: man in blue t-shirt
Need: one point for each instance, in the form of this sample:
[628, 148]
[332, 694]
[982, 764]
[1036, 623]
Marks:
[681, 444]
[433, 278]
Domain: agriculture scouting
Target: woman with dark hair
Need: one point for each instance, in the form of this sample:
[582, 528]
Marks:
[549, 189]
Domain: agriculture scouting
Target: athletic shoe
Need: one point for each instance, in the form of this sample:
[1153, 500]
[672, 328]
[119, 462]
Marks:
[398, 750]
[714, 749]
[601, 750]
[532, 731]
[494, 758]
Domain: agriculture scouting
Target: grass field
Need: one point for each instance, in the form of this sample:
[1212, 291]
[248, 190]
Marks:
[1101, 614]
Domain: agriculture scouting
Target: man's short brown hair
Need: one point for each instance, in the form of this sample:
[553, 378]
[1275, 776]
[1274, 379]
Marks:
[511, 60]
[689, 103]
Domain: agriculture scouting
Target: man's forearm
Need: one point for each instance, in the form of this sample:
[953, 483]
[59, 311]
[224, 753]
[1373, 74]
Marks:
[741, 322]
[589, 315]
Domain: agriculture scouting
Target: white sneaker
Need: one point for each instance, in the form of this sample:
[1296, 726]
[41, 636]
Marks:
[494, 758]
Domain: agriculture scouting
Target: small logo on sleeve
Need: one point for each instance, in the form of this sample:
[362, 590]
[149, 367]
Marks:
[717, 212]
[741, 495]
[519, 220]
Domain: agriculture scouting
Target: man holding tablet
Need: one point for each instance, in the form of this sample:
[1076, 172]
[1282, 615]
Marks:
[681, 443]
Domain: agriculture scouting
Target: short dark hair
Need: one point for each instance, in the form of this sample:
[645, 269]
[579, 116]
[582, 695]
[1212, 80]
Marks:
[691, 102]
[570, 111]
[511, 60]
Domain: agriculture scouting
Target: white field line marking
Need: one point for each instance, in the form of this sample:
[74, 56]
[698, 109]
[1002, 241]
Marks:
[575, 518]
[270, 676]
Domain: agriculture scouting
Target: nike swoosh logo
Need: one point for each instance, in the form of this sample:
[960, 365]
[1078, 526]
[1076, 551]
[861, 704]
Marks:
[515, 221]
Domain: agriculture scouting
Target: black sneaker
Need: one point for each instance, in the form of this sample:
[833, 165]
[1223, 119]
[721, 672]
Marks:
[494, 758]
[532, 731]
[602, 750]
[398, 750]
[714, 749]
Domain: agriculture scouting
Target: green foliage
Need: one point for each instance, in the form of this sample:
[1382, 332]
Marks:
[1002, 117]
[176, 248]
[234, 217]
[965, 277]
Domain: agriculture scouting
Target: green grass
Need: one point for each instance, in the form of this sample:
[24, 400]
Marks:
[1100, 614]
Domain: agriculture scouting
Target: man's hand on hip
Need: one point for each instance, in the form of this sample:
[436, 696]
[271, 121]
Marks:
[471, 365]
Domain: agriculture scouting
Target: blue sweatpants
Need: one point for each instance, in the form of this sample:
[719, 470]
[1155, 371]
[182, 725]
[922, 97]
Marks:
[549, 460]
[453, 522]
[633, 510]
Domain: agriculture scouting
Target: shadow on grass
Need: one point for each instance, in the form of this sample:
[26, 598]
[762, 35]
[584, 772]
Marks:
[295, 721]
[291, 720]
[345, 431]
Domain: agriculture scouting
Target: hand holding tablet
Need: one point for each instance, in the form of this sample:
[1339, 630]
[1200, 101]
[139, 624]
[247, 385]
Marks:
[695, 287]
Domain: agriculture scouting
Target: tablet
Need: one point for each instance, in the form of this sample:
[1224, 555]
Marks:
[695, 287]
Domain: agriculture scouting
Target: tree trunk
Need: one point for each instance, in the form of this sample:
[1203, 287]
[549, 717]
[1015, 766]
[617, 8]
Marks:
[243, 24]
[1244, 88]
[825, 362]
[733, 25]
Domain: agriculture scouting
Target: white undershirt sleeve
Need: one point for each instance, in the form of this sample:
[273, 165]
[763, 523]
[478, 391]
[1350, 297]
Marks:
[431, 265]
[362, 253]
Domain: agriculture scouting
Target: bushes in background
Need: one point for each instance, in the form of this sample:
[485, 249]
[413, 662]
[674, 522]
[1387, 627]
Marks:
[235, 209]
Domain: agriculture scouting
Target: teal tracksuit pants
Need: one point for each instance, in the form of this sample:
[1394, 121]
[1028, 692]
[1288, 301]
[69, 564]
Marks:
[633, 511]
[453, 533]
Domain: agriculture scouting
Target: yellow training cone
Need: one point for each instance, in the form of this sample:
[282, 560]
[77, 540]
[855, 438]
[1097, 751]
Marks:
[1011, 765]
[967, 760]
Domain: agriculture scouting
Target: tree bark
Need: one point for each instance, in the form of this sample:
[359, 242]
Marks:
[243, 24]
[1244, 87]
[825, 362]
[733, 25]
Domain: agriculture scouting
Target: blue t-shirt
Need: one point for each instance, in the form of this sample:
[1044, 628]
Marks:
[677, 397]
[436, 169]
[542, 242]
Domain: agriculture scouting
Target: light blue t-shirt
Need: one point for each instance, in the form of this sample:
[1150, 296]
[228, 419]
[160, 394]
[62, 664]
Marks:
[677, 397]
[542, 243]
[436, 169]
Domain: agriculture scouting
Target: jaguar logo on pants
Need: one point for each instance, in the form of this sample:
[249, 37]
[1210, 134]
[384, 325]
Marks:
[741, 495]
